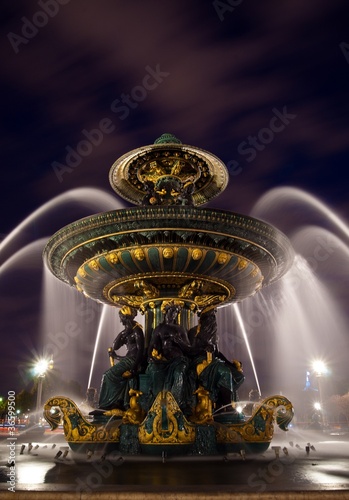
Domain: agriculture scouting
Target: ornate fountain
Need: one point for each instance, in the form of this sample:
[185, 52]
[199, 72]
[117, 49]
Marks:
[166, 252]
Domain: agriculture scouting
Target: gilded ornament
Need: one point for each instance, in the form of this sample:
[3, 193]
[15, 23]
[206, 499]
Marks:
[167, 303]
[82, 271]
[147, 290]
[134, 414]
[168, 253]
[112, 258]
[222, 258]
[139, 254]
[196, 254]
[94, 265]
[242, 264]
[191, 289]
[76, 428]
[202, 413]
[166, 424]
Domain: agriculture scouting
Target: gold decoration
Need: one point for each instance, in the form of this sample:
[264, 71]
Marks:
[135, 414]
[82, 271]
[202, 413]
[204, 301]
[148, 290]
[165, 303]
[115, 412]
[112, 258]
[131, 300]
[76, 428]
[196, 254]
[222, 258]
[242, 264]
[94, 265]
[169, 425]
[168, 253]
[126, 311]
[260, 426]
[155, 354]
[139, 254]
[139, 171]
[111, 357]
[187, 291]
[201, 366]
[78, 284]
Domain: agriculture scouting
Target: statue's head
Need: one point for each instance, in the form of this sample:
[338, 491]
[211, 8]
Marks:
[127, 312]
[171, 310]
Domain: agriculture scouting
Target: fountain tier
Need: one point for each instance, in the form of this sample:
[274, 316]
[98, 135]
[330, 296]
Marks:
[135, 255]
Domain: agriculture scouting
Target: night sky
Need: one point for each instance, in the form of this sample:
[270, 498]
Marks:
[262, 85]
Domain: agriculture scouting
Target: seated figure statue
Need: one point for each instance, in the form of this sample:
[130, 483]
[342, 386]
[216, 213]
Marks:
[121, 377]
[167, 358]
[220, 377]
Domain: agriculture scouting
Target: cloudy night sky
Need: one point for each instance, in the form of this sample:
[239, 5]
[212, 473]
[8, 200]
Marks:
[262, 85]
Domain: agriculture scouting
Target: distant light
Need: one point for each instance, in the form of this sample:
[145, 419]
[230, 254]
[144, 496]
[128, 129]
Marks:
[41, 367]
[319, 367]
[239, 409]
[317, 406]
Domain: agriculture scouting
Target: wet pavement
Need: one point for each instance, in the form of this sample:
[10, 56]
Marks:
[296, 461]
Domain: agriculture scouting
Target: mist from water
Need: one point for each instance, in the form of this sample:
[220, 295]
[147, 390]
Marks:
[89, 200]
[303, 317]
[45, 315]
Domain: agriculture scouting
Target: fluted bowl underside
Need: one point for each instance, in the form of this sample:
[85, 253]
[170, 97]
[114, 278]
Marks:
[135, 255]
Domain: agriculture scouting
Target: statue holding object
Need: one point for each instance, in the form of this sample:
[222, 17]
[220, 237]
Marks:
[215, 373]
[121, 377]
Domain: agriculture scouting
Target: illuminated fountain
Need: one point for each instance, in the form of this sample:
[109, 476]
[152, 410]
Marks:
[162, 255]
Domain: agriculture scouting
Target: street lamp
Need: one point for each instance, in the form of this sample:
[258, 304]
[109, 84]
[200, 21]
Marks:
[317, 406]
[40, 369]
[320, 369]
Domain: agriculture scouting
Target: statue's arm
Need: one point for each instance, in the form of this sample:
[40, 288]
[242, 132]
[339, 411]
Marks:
[120, 340]
[181, 339]
[139, 337]
[155, 345]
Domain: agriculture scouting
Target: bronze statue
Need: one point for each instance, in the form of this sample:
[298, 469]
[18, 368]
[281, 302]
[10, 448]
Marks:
[121, 377]
[168, 357]
[215, 373]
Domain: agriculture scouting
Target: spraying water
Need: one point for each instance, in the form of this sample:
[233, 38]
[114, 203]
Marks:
[275, 203]
[91, 198]
[243, 331]
[99, 332]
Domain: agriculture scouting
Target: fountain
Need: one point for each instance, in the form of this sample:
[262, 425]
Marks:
[176, 264]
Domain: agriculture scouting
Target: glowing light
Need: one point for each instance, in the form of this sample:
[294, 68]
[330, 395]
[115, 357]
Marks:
[317, 406]
[319, 367]
[42, 365]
